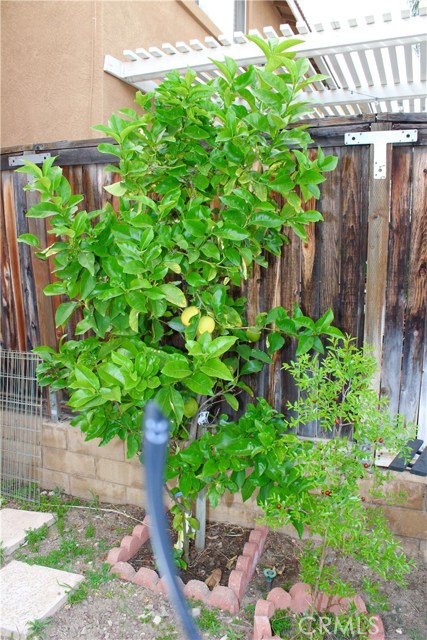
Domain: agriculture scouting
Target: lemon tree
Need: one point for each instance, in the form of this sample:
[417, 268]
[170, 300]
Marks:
[211, 179]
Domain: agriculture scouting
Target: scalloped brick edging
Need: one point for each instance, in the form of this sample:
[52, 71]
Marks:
[225, 598]
[299, 600]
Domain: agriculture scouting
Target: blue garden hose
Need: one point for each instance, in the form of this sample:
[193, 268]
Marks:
[155, 437]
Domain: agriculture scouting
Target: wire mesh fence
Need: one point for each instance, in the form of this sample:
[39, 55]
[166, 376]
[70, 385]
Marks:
[20, 425]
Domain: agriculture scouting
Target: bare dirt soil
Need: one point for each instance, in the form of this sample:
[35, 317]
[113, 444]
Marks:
[110, 609]
[224, 543]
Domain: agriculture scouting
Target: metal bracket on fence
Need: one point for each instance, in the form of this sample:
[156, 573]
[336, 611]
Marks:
[53, 405]
[380, 140]
[36, 158]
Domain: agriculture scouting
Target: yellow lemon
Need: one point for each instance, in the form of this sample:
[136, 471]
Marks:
[187, 314]
[190, 407]
[206, 323]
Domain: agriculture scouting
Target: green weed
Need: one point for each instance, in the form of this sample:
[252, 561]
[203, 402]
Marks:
[168, 633]
[93, 580]
[69, 551]
[34, 536]
[36, 628]
[90, 531]
[208, 620]
[281, 622]
[77, 595]
[249, 610]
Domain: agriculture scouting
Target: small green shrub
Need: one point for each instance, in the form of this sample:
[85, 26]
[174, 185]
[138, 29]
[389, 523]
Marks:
[336, 391]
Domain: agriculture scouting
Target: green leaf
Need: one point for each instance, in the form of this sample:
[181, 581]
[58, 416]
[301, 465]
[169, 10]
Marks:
[324, 322]
[210, 250]
[196, 280]
[287, 44]
[87, 284]
[194, 523]
[197, 228]
[177, 369]
[85, 378]
[82, 397]
[253, 366]
[210, 468]
[275, 341]
[214, 368]
[111, 374]
[107, 147]
[234, 152]
[133, 320]
[64, 312]
[87, 260]
[311, 177]
[232, 401]
[247, 489]
[333, 331]
[283, 183]
[258, 354]
[197, 133]
[267, 219]
[174, 295]
[117, 189]
[299, 526]
[199, 383]
[29, 238]
[309, 216]
[154, 293]
[85, 325]
[220, 345]
[305, 343]
[137, 300]
[232, 231]
[200, 182]
[31, 168]
[261, 43]
[328, 164]
[55, 289]
[43, 210]
[132, 445]
[170, 402]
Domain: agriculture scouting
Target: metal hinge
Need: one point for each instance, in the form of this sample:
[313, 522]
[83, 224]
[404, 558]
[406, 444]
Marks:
[380, 140]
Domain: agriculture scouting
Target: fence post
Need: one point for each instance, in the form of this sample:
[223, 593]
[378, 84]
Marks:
[377, 255]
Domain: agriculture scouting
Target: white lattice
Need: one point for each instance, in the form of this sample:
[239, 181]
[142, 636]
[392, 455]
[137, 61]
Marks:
[377, 66]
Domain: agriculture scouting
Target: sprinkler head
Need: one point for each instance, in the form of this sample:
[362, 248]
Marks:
[269, 575]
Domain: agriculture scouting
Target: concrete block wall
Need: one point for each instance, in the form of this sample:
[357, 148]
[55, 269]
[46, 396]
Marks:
[84, 469]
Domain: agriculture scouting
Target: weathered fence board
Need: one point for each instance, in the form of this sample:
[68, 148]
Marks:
[12, 271]
[416, 312]
[378, 236]
[400, 224]
[382, 285]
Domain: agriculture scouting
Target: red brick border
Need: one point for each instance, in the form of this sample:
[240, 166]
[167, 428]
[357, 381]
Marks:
[299, 600]
[226, 598]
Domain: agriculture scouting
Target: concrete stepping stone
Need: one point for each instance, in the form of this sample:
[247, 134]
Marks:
[31, 592]
[15, 522]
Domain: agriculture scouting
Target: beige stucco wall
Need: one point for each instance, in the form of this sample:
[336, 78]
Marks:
[52, 79]
[262, 14]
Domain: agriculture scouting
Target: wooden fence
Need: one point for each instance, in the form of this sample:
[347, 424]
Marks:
[367, 260]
